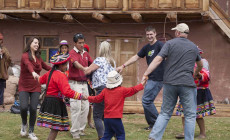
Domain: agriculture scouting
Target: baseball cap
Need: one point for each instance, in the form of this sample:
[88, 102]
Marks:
[182, 27]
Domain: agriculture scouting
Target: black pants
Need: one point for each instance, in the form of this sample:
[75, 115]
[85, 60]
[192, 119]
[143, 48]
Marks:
[26, 98]
[2, 88]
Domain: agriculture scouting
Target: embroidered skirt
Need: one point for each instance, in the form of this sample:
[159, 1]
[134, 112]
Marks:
[53, 114]
[205, 104]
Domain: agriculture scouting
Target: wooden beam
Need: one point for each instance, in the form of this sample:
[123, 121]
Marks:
[101, 17]
[68, 17]
[205, 16]
[3, 16]
[137, 17]
[220, 23]
[125, 5]
[62, 11]
[38, 16]
[154, 4]
[172, 16]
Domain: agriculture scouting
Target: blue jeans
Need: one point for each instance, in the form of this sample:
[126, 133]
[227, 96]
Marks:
[114, 126]
[187, 97]
[152, 89]
[2, 88]
[98, 114]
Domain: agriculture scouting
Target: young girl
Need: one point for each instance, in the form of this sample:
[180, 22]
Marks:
[205, 104]
[53, 113]
[114, 96]
[64, 47]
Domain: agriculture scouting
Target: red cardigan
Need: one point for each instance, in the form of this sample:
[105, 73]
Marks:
[59, 85]
[114, 99]
[203, 82]
[26, 81]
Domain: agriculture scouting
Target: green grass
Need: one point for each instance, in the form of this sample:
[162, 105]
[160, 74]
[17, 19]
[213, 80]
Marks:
[216, 128]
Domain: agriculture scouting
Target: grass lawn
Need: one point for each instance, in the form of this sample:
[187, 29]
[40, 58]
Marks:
[216, 128]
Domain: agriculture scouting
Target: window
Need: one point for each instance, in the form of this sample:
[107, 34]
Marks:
[49, 46]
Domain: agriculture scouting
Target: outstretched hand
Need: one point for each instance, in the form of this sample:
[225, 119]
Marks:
[35, 75]
[119, 69]
[84, 97]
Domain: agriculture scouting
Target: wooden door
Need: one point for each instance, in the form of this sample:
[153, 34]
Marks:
[122, 50]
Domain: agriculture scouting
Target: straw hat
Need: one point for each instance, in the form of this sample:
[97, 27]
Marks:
[114, 79]
[59, 59]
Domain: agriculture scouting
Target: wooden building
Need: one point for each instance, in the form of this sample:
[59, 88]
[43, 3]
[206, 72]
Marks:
[122, 23]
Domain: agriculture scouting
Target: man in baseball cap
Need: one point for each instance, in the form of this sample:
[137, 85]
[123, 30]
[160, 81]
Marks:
[182, 27]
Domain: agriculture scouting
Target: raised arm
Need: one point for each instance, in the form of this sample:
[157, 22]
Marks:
[127, 63]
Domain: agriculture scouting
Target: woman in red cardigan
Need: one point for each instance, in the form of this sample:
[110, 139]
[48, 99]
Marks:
[29, 88]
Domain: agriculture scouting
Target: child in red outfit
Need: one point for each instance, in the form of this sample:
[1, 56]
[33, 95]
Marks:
[114, 96]
[53, 113]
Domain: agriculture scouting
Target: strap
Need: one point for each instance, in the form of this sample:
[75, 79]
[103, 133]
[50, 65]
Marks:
[47, 84]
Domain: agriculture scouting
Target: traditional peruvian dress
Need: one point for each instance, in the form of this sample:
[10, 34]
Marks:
[53, 113]
[205, 104]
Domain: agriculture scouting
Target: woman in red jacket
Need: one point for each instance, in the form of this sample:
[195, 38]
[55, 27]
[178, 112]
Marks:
[29, 88]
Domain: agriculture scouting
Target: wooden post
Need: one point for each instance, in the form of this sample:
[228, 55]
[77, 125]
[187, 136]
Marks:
[49, 4]
[172, 16]
[38, 16]
[174, 5]
[99, 4]
[182, 4]
[2, 3]
[137, 17]
[205, 5]
[3, 16]
[154, 4]
[68, 17]
[21, 3]
[125, 5]
[74, 3]
[100, 17]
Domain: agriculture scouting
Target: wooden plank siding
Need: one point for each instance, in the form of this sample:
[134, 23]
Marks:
[124, 5]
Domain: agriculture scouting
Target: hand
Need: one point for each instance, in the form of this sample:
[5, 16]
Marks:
[144, 80]
[84, 97]
[119, 69]
[35, 75]
[198, 75]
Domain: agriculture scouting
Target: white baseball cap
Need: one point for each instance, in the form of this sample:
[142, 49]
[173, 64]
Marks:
[182, 27]
[114, 79]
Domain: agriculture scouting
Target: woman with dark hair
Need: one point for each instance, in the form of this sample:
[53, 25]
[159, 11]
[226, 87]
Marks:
[28, 86]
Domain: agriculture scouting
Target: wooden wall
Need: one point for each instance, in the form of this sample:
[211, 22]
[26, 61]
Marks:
[106, 4]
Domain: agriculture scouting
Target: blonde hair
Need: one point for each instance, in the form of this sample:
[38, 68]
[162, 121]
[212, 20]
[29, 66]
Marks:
[105, 51]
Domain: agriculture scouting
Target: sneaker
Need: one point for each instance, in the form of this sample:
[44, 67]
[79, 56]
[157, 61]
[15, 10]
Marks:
[148, 128]
[32, 136]
[23, 130]
[82, 133]
[76, 137]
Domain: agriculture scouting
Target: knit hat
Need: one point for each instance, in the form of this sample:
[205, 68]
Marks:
[86, 46]
[59, 59]
[114, 79]
[63, 42]
[1, 36]
[182, 27]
